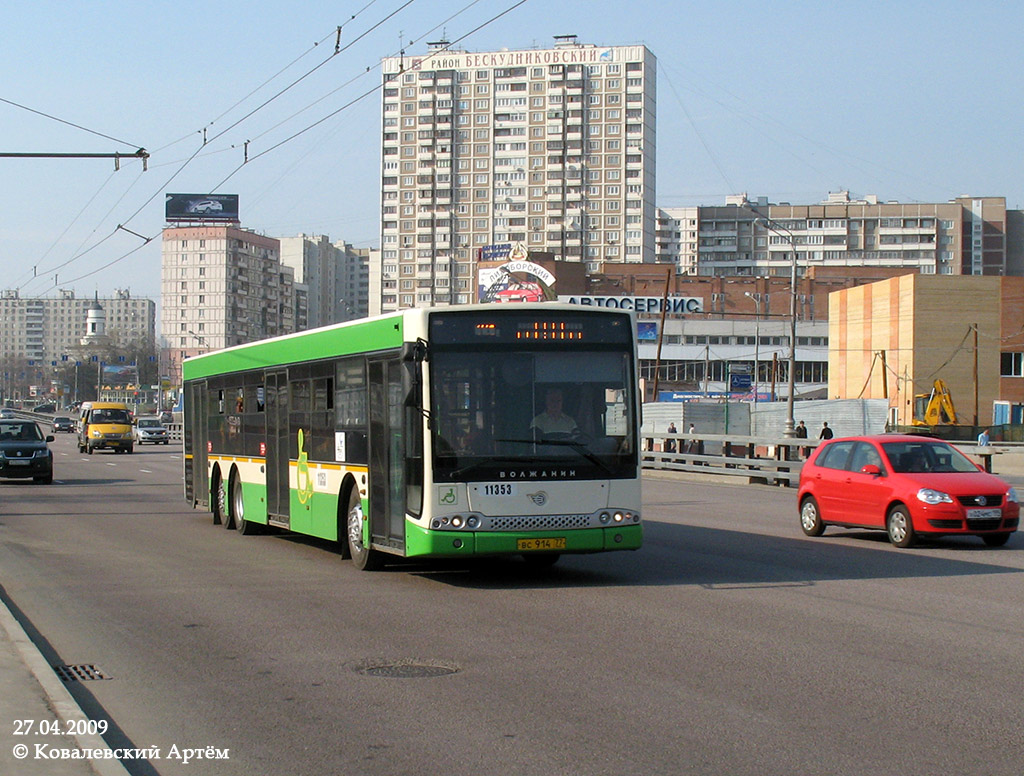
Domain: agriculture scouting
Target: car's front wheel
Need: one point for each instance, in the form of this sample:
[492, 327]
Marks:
[900, 527]
[810, 517]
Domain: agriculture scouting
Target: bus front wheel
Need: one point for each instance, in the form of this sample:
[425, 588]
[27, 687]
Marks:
[364, 558]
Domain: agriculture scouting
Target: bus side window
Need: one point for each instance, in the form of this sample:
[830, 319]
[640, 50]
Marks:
[350, 415]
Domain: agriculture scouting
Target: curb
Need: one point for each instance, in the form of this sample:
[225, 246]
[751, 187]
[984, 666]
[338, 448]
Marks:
[65, 707]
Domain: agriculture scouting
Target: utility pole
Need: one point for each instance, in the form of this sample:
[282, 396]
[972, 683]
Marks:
[885, 376]
[974, 328]
[661, 332]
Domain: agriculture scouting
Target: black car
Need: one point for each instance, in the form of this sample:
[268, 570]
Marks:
[63, 423]
[24, 452]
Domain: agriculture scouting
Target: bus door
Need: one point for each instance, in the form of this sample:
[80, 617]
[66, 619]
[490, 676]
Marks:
[197, 481]
[276, 405]
[387, 456]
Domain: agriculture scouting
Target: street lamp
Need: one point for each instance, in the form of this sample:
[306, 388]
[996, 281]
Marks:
[789, 237]
[757, 340]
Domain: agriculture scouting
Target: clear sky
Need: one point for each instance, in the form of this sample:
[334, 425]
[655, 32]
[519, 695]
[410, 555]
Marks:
[909, 101]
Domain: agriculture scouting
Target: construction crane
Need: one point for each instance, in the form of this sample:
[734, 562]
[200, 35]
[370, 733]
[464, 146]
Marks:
[935, 408]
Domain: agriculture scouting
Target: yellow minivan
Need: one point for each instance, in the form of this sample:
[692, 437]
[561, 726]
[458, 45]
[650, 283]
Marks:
[105, 425]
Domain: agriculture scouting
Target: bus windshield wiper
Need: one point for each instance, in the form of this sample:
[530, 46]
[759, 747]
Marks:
[484, 462]
[578, 447]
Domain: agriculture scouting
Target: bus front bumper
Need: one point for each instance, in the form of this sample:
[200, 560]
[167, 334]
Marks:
[421, 542]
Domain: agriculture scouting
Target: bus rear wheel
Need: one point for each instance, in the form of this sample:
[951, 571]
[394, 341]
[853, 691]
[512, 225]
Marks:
[363, 558]
[219, 505]
[243, 526]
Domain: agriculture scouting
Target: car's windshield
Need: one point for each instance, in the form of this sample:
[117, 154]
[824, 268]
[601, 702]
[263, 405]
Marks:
[927, 456]
[13, 432]
[109, 416]
[144, 423]
[495, 409]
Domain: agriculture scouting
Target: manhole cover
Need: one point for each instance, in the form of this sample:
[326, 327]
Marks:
[80, 673]
[406, 669]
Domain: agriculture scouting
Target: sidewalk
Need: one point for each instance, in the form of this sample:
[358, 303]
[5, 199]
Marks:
[1008, 462]
[32, 694]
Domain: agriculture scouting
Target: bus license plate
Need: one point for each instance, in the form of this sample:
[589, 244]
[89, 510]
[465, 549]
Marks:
[541, 544]
[984, 514]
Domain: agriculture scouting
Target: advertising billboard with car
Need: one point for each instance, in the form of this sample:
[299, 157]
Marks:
[201, 207]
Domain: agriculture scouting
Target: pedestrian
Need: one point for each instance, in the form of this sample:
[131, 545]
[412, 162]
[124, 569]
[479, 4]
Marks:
[670, 444]
[983, 438]
[801, 433]
[692, 445]
[826, 432]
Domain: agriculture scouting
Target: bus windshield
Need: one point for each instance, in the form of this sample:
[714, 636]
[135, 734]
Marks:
[553, 412]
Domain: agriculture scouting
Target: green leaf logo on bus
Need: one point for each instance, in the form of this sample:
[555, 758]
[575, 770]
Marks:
[303, 479]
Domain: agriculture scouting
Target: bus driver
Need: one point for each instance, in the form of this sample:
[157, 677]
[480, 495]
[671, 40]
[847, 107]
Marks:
[553, 420]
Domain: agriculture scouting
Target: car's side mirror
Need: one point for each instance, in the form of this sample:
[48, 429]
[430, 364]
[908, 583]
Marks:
[49, 437]
[871, 469]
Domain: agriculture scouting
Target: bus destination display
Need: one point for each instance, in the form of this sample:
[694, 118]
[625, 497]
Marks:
[451, 328]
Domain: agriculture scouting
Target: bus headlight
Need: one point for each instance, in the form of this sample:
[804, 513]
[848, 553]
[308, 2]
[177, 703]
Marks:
[455, 522]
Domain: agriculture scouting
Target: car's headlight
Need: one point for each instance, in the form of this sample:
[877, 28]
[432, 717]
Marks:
[96, 433]
[929, 496]
[1011, 495]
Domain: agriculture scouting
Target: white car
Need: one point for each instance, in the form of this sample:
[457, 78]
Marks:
[205, 206]
[150, 430]
[7, 414]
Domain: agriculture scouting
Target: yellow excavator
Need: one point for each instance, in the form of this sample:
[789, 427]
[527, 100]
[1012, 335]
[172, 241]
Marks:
[935, 408]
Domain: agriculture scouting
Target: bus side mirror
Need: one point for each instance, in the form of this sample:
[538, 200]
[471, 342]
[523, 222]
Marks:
[413, 356]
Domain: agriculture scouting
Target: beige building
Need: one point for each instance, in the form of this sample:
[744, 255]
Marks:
[893, 338]
[552, 148]
[965, 236]
[44, 329]
[221, 286]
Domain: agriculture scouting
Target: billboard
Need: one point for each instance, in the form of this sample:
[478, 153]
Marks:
[120, 376]
[674, 305]
[201, 207]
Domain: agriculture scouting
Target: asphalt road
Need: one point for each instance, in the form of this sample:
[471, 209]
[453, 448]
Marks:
[730, 644]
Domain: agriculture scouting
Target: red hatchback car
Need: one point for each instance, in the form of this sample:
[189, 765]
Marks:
[906, 485]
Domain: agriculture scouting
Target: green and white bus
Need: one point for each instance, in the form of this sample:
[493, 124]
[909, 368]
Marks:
[431, 433]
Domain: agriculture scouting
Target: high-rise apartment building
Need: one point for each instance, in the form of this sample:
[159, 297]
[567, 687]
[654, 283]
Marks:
[311, 258]
[336, 276]
[352, 281]
[43, 329]
[965, 236]
[551, 148]
[221, 286]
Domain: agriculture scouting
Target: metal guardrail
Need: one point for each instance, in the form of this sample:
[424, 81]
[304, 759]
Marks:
[758, 459]
[773, 460]
[45, 421]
